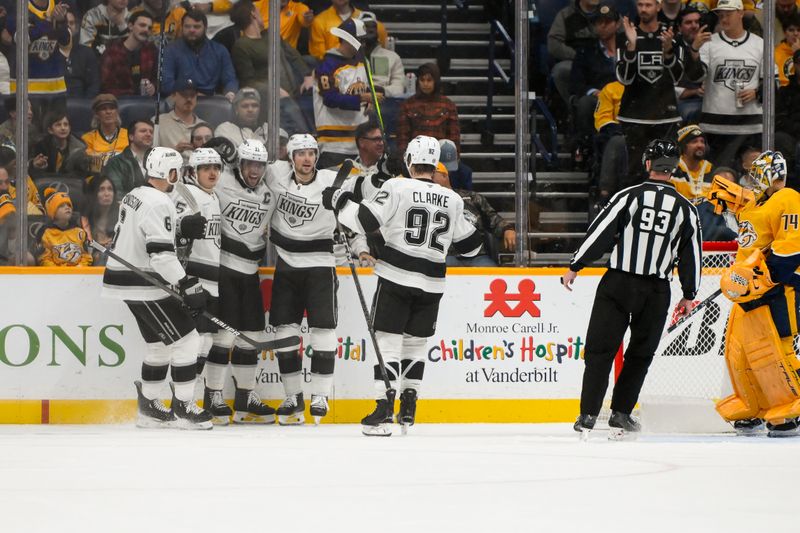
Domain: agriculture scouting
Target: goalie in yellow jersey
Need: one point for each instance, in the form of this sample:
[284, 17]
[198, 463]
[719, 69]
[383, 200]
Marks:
[762, 283]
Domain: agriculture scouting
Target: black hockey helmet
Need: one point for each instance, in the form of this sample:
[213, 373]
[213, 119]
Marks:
[662, 154]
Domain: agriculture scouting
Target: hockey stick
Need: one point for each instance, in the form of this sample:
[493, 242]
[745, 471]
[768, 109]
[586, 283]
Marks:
[267, 345]
[159, 73]
[694, 311]
[344, 171]
[375, 102]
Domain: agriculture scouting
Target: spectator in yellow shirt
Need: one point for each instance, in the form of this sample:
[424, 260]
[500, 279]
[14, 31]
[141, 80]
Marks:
[108, 138]
[294, 17]
[63, 243]
[322, 39]
[787, 47]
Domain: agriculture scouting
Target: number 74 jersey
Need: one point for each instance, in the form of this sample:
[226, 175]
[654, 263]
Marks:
[773, 225]
[418, 220]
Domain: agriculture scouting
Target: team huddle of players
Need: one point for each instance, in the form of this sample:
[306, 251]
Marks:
[204, 228]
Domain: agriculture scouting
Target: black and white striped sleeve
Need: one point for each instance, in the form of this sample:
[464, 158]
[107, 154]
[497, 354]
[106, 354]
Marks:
[602, 233]
[690, 253]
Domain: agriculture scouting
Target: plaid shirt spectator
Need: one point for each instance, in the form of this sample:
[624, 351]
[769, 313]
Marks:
[432, 114]
[117, 72]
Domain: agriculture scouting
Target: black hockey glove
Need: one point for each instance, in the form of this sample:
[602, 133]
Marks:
[334, 199]
[192, 227]
[195, 297]
[224, 147]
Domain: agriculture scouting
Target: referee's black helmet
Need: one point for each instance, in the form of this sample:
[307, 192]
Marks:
[662, 154]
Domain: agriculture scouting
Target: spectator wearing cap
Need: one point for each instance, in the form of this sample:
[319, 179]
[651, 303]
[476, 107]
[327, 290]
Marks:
[81, 64]
[731, 68]
[483, 216]
[247, 109]
[341, 95]
[690, 93]
[388, 73]
[571, 29]
[129, 66]
[174, 128]
[785, 50]
[428, 111]
[322, 40]
[63, 243]
[126, 170]
[107, 138]
[104, 23]
[787, 115]
[460, 173]
[8, 162]
[200, 59]
[592, 69]
[251, 56]
[294, 17]
[692, 177]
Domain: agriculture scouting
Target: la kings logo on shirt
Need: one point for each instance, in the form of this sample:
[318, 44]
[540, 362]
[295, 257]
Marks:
[651, 65]
[244, 216]
[296, 211]
[732, 71]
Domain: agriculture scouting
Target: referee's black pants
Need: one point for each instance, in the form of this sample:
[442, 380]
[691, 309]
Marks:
[622, 300]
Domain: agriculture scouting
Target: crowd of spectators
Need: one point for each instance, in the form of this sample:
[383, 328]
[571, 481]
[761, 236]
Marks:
[103, 60]
[689, 71]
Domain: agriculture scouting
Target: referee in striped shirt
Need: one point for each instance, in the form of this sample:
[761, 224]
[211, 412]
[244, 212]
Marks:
[647, 228]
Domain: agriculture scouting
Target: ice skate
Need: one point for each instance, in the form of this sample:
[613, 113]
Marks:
[750, 427]
[152, 413]
[623, 427]
[215, 404]
[787, 429]
[319, 407]
[189, 415]
[379, 423]
[249, 409]
[408, 409]
[290, 412]
[584, 424]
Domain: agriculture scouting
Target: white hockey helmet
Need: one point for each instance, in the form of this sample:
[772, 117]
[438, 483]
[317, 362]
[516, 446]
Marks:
[204, 156]
[422, 150]
[160, 161]
[253, 150]
[301, 141]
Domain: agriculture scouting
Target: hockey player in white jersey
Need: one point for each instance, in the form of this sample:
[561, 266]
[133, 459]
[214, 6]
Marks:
[145, 237]
[246, 205]
[199, 232]
[419, 221]
[305, 277]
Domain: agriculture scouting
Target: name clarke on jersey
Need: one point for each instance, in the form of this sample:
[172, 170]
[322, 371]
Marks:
[439, 200]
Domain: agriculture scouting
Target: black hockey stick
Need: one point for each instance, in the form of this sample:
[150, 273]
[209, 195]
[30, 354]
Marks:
[344, 171]
[267, 345]
[159, 72]
[694, 311]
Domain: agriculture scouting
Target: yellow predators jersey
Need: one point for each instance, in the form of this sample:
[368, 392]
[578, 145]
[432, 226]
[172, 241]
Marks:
[100, 149]
[608, 102]
[693, 186]
[65, 247]
[773, 226]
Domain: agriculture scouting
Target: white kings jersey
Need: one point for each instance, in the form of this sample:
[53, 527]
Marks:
[301, 228]
[145, 237]
[419, 221]
[203, 260]
[245, 214]
[728, 63]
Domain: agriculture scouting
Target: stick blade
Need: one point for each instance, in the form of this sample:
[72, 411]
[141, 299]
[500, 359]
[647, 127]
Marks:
[277, 344]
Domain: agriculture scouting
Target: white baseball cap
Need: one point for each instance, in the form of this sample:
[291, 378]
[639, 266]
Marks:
[729, 5]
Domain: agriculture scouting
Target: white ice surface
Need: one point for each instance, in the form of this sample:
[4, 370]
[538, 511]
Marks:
[439, 478]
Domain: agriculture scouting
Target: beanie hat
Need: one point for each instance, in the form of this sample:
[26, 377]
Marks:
[689, 133]
[6, 206]
[54, 199]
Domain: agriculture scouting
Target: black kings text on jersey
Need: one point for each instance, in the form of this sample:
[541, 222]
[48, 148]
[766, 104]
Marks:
[295, 210]
[732, 71]
[244, 216]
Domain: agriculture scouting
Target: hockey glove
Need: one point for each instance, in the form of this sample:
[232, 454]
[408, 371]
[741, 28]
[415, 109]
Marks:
[195, 297]
[192, 227]
[335, 199]
[224, 147]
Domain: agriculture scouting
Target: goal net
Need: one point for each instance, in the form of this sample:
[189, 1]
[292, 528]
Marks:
[688, 374]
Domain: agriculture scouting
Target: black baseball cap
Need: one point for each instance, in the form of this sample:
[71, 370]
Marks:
[605, 10]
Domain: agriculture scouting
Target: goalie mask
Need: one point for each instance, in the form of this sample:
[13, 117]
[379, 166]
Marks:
[422, 150]
[767, 168]
[159, 163]
[663, 156]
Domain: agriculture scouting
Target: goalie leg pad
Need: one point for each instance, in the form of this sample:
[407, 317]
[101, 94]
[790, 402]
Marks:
[743, 403]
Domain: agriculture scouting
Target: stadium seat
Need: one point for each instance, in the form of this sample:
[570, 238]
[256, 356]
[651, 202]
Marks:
[214, 109]
[73, 186]
[80, 114]
[139, 108]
